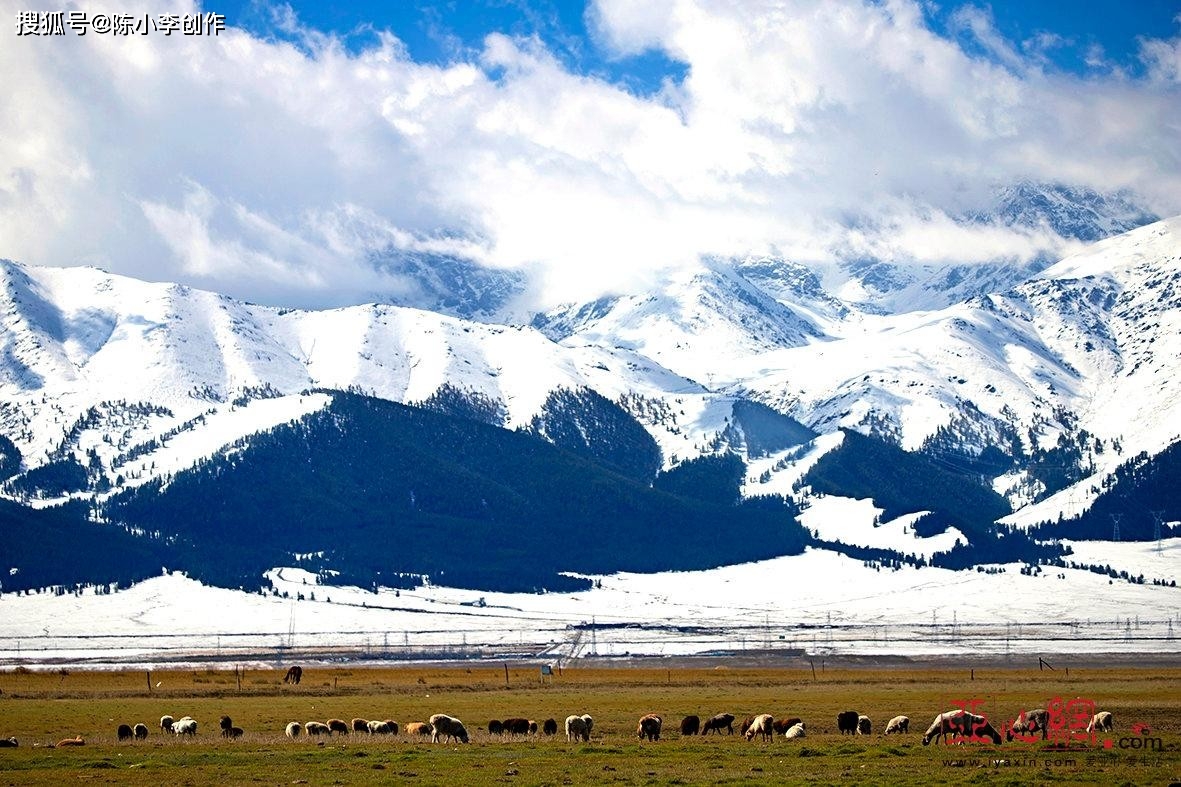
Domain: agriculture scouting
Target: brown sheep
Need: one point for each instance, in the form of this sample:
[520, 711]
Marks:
[339, 725]
[360, 725]
[419, 728]
[690, 725]
[649, 727]
[294, 675]
[71, 742]
[124, 733]
[723, 720]
[783, 725]
[745, 725]
[550, 727]
[496, 727]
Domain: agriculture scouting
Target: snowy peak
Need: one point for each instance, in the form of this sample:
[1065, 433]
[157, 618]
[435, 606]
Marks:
[1072, 212]
[451, 285]
[694, 319]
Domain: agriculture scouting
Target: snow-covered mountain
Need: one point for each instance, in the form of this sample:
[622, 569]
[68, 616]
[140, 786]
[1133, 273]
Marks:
[695, 319]
[1069, 368]
[1069, 211]
[1050, 215]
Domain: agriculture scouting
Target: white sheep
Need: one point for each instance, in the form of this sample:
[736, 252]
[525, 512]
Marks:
[1101, 722]
[764, 724]
[185, 726]
[445, 727]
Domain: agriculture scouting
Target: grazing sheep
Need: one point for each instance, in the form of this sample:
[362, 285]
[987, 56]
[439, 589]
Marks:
[185, 726]
[720, 721]
[783, 725]
[1030, 721]
[847, 721]
[745, 725]
[532, 727]
[690, 725]
[495, 727]
[140, 731]
[515, 726]
[294, 675]
[377, 728]
[763, 724]
[419, 728]
[899, 724]
[393, 726]
[8, 743]
[864, 725]
[316, 728]
[962, 723]
[338, 725]
[293, 730]
[550, 727]
[124, 732]
[576, 728]
[166, 723]
[450, 728]
[226, 724]
[360, 725]
[649, 727]
[235, 733]
[1101, 722]
[589, 722]
[795, 731]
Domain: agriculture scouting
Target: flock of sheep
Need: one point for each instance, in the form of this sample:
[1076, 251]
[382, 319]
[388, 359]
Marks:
[444, 728]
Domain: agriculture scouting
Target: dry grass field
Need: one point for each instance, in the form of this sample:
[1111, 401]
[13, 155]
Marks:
[40, 708]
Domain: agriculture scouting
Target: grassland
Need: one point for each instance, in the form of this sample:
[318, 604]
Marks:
[40, 708]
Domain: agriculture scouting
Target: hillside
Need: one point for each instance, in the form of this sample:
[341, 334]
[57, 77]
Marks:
[374, 490]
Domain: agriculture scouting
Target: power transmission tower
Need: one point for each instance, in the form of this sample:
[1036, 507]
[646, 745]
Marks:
[1115, 518]
[1156, 528]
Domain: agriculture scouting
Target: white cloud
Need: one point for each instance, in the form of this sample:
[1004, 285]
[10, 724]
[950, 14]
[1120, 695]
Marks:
[274, 171]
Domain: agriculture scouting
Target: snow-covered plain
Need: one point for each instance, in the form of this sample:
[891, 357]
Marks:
[818, 603]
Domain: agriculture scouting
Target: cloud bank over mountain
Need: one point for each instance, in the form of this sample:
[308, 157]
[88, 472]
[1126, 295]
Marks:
[292, 168]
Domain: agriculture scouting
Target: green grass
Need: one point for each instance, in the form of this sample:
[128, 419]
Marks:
[41, 708]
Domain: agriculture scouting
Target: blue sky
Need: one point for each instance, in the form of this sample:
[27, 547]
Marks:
[1069, 34]
[595, 148]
